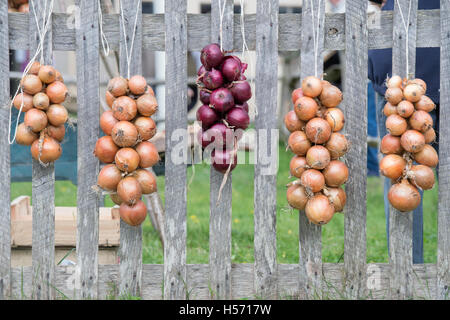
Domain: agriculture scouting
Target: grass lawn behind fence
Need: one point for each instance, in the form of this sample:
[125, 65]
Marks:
[242, 220]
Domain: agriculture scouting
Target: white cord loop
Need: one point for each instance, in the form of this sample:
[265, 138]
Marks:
[406, 26]
[122, 17]
[316, 30]
[105, 44]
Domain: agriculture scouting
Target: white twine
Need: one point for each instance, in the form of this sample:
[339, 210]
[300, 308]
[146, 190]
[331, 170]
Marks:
[316, 30]
[221, 14]
[105, 44]
[128, 55]
[46, 20]
[406, 26]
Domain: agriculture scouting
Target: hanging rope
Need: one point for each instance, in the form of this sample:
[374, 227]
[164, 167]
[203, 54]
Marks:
[316, 30]
[105, 44]
[221, 14]
[406, 26]
[46, 20]
[122, 17]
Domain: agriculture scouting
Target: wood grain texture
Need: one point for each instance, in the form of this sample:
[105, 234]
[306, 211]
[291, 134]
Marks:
[198, 31]
[310, 242]
[400, 223]
[43, 189]
[5, 220]
[88, 70]
[355, 109]
[443, 250]
[175, 187]
[130, 251]
[265, 194]
[220, 211]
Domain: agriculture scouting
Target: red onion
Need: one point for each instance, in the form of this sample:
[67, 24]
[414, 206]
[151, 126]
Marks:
[222, 100]
[211, 56]
[204, 96]
[238, 118]
[241, 91]
[207, 116]
[231, 68]
[212, 79]
[220, 134]
[243, 106]
[221, 160]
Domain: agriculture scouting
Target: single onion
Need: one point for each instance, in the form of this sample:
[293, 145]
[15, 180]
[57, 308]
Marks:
[237, 118]
[148, 154]
[34, 69]
[220, 134]
[105, 149]
[242, 106]
[57, 133]
[319, 210]
[413, 92]
[127, 159]
[297, 166]
[292, 122]
[124, 134]
[421, 121]
[115, 198]
[425, 104]
[430, 136]
[31, 84]
[396, 125]
[124, 108]
[118, 86]
[150, 91]
[25, 136]
[133, 215]
[57, 114]
[221, 160]
[297, 93]
[107, 121]
[391, 145]
[299, 143]
[129, 190]
[41, 101]
[212, 79]
[241, 91]
[147, 105]
[404, 196]
[331, 96]
[405, 109]
[313, 180]
[207, 116]
[24, 98]
[50, 150]
[109, 177]
[211, 56]
[419, 82]
[336, 173]
[318, 157]
[389, 109]
[205, 96]
[146, 127]
[297, 197]
[231, 68]
[395, 82]
[35, 119]
[47, 74]
[337, 197]
[335, 118]
[137, 84]
[337, 145]
[427, 156]
[305, 108]
[392, 166]
[57, 92]
[221, 100]
[59, 77]
[412, 141]
[421, 176]
[318, 130]
[311, 86]
[109, 98]
[147, 181]
[394, 95]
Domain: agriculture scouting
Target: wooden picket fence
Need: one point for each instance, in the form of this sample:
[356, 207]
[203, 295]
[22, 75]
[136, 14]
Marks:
[267, 32]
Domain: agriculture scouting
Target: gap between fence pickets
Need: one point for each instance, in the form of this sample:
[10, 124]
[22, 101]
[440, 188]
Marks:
[380, 34]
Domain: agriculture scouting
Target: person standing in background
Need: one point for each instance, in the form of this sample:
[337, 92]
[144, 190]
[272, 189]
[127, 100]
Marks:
[427, 68]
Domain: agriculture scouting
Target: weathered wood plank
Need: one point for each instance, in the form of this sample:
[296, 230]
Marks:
[176, 122]
[443, 251]
[310, 242]
[130, 251]
[265, 194]
[355, 101]
[400, 223]
[88, 99]
[220, 212]
[43, 186]
[5, 217]
[198, 31]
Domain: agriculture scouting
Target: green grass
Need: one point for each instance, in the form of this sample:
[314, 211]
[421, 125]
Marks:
[242, 220]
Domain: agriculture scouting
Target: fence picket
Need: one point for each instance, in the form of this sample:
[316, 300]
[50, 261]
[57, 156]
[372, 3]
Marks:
[220, 212]
[5, 218]
[400, 223]
[175, 280]
[443, 250]
[43, 186]
[88, 70]
[310, 242]
[130, 251]
[355, 109]
[265, 195]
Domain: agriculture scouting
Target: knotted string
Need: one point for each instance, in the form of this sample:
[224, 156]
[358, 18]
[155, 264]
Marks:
[122, 17]
[406, 26]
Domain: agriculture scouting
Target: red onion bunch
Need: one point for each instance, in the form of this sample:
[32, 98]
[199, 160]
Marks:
[314, 124]
[224, 92]
[125, 148]
[411, 131]
[43, 92]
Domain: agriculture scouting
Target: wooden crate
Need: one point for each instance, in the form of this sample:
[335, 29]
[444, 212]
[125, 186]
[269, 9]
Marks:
[65, 233]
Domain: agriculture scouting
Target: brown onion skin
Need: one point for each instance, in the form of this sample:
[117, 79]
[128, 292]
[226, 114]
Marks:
[147, 181]
[107, 121]
[412, 141]
[430, 136]
[427, 156]
[392, 166]
[25, 136]
[105, 149]
[27, 101]
[147, 105]
[36, 120]
[292, 122]
[146, 127]
[318, 157]
[395, 81]
[389, 109]
[31, 84]
[124, 134]
[148, 154]
[404, 196]
[41, 101]
[318, 130]
[311, 86]
[306, 108]
[150, 91]
[394, 95]
[421, 121]
[331, 96]
[56, 133]
[124, 108]
[337, 197]
[319, 210]
[115, 198]
[297, 166]
[109, 98]
[396, 125]
[57, 92]
[425, 104]
[137, 84]
[413, 92]
[127, 159]
[133, 215]
[335, 174]
[109, 177]
[391, 145]
[35, 66]
[421, 176]
[117, 86]
[47, 74]
[297, 197]
[313, 179]
[420, 82]
[51, 150]
[405, 109]
[335, 118]
[129, 190]
[337, 145]
[299, 143]
[57, 115]
[297, 93]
